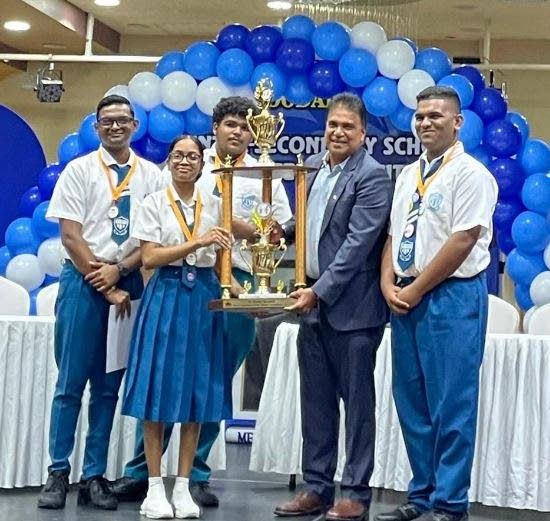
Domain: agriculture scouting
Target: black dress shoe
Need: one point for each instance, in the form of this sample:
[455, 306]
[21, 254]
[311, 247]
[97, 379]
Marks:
[54, 492]
[203, 495]
[405, 512]
[96, 492]
[440, 515]
[129, 489]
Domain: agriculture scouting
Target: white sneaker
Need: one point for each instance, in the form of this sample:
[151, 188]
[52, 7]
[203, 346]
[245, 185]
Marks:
[184, 506]
[156, 506]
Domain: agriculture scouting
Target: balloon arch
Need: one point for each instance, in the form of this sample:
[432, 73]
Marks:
[306, 61]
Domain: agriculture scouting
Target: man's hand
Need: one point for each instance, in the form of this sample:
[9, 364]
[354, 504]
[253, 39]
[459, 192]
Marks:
[104, 276]
[120, 299]
[306, 300]
[277, 233]
[410, 295]
[397, 305]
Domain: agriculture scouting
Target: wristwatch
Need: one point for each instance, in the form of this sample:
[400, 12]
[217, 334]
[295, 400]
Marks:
[123, 271]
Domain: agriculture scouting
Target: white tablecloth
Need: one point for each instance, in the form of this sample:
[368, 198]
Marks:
[512, 459]
[27, 379]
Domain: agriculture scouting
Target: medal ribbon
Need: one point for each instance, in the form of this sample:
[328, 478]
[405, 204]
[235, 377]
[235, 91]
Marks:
[218, 163]
[116, 191]
[180, 217]
[423, 184]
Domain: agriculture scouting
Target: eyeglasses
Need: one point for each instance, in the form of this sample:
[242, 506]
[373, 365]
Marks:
[178, 157]
[121, 122]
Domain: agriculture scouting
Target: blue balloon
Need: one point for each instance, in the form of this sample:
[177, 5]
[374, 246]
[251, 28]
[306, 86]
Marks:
[20, 237]
[262, 43]
[271, 71]
[232, 36]
[42, 226]
[200, 60]
[524, 267]
[481, 154]
[197, 122]
[295, 56]
[380, 97]
[151, 149]
[535, 193]
[69, 148]
[462, 86]
[490, 104]
[29, 201]
[172, 61]
[530, 232]
[47, 179]
[506, 211]
[298, 91]
[435, 62]
[165, 124]
[413, 45]
[235, 67]
[471, 132]
[502, 138]
[535, 157]
[474, 75]
[33, 294]
[324, 79]
[298, 26]
[330, 41]
[520, 121]
[505, 242]
[401, 118]
[48, 279]
[509, 176]
[140, 115]
[5, 258]
[358, 67]
[88, 134]
[523, 297]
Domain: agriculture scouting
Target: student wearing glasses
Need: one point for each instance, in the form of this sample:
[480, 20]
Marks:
[176, 368]
[96, 201]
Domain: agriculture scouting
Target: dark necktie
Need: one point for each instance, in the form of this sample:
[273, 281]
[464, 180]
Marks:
[121, 223]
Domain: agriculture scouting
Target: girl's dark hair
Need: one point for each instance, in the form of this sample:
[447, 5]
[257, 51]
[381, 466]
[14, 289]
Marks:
[181, 137]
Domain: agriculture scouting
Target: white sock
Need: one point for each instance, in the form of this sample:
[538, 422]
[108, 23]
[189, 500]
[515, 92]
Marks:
[156, 484]
[182, 482]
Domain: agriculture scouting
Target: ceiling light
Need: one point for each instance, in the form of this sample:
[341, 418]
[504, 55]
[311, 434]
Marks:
[279, 5]
[17, 25]
[107, 3]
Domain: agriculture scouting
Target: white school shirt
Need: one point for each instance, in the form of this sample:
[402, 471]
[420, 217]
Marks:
[461, 196]
[247, 194]
[156, 222]
[83, 194]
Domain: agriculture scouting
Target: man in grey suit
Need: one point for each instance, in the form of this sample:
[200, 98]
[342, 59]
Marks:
[343, 315]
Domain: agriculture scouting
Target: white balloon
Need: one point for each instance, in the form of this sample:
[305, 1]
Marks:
[540, 289]
[368, 35]
[145, 90]
[209, 92]
[527, 317]
[395, 58]
[547, 256]
[25, 270]
[119, 90]
[243, 90]
[178, 90]
[411, 84]
[50, 256]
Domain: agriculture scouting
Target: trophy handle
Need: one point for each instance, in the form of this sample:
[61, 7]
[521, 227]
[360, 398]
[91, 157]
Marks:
[280, 121]
[249, 119]
[244, 247]
[282, 247]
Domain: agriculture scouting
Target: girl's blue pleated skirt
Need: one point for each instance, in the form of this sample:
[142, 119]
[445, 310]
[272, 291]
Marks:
[176, 366]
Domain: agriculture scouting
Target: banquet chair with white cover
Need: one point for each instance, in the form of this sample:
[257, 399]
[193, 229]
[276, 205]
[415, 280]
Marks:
[503, 317]
[539, 323]
[14, 299]
[45, 300]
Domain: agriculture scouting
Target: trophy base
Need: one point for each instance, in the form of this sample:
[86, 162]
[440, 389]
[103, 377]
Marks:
[252, 305]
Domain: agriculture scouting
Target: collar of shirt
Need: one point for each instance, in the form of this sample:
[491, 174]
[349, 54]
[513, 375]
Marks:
[325, 165]
[210, 156]
[457, 148]
[178, 198]
[109, 160]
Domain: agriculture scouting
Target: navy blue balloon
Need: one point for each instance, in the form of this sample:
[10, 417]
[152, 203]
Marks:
[435, 62]
[298, 91]
[272, 72]
[262, 43]
[523, 297]
[325, 80]
[380, 97]
[5, 258]
[295, 56]
[474, 75]
[29, 201]
[47, 179]
[330, 41]
[358, 67]
[232, 36]
[20, 237]
[88, 134]
[172, 61]
[151, 149]
[471, 132]
[530, 232]
[502, 138]
[506, 211]
[235, 67]
[197, 123]
[505, 242]
[509, 176]
[165, 124]
[43, 227]
[490, 104]
[401, 118]
[70, 148]
[535, 193]
[462, 87]
[535, 157]
[201, 59]
[520, 121]
[481, 154]
[140, 114]
[298, 26]
[524, 267]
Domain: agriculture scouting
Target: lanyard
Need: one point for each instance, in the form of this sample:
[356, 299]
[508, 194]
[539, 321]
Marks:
[218, 164]
[116, 192]
[180, 218]
[421, 185]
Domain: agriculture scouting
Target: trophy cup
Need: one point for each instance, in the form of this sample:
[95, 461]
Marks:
[265, 129]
